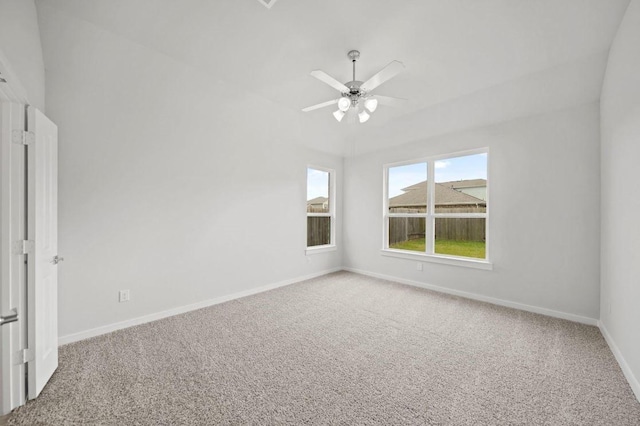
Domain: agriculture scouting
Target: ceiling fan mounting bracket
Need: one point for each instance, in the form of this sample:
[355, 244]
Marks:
[354, 55]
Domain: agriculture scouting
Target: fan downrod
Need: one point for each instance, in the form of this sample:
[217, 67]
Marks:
[354, 85]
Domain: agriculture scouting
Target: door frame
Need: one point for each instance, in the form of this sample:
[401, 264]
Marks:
[13, 214]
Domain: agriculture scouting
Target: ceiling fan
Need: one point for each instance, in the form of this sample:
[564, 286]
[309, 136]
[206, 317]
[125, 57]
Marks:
[356, 95]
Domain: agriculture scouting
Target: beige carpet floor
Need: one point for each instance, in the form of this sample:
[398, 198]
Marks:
[340, 349]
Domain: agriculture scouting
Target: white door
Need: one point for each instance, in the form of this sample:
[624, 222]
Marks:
[42, 260]
[13, 332]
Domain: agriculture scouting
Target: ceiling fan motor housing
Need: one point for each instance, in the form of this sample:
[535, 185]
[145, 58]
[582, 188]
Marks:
[354, 91]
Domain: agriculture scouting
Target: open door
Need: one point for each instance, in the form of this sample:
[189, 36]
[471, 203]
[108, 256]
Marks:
[42, 260]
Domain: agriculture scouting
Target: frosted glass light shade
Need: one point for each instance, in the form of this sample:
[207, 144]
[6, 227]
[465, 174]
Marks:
[363, 116]
[343, 104]
[339, 115]
[371, 104]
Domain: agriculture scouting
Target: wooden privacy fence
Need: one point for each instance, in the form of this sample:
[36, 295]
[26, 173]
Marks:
[406, 228]
[460, 229]
[412, 228]
[318, 230]
[317, 209]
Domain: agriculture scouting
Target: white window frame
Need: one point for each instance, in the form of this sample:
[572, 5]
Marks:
[331, 214]
[430, 216]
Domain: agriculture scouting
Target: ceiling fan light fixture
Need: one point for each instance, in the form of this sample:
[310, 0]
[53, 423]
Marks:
[371, 104]
[344, 103]
[355, 94]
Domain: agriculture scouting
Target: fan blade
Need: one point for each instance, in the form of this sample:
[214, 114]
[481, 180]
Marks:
[390, 101]
[383, 75]
[326, 78]
[322, 105]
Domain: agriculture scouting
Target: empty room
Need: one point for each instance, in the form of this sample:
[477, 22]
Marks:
[357, 212]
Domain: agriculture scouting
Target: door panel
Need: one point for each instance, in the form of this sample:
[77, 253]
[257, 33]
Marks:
[42, 228]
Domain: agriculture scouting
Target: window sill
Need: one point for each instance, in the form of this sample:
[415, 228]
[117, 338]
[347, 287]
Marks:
[435, 258]
[321, 249]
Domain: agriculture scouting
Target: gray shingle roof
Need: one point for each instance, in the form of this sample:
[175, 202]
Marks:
[416, 195]
[467, 183]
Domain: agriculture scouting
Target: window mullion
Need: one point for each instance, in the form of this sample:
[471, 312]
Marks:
[461, 215]
[430, 225]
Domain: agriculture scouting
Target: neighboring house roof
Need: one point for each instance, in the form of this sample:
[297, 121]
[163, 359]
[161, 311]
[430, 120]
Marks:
[468, 183]
[416, 195]
[318, 200]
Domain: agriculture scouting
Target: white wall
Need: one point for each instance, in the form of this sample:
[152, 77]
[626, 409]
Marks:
[173, 184]
[20, 45]
[620, 109]
[167, 170]
[544, 212]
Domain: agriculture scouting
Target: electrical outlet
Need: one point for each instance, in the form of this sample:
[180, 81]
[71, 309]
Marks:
[419, 266]
[123, 296]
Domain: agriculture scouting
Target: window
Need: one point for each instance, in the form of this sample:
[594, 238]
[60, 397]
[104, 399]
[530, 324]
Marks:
[437, 208]
[320, 209]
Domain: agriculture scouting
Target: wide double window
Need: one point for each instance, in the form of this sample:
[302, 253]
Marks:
[320, 208]
[438, 207]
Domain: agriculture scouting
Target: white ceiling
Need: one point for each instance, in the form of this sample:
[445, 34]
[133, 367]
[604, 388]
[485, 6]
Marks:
[486, 59]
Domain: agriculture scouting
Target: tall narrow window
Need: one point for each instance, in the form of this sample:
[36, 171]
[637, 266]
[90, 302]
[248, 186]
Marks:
[408, 207]
[320, 207]
[438, 206]
[461, 206]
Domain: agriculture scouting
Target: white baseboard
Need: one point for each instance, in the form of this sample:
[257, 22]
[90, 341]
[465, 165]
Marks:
[481, 298]
[70, 338]
[626, 370]
[633, 381]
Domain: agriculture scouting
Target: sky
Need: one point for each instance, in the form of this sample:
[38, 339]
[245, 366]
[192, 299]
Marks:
[317, 184]
[458, 168]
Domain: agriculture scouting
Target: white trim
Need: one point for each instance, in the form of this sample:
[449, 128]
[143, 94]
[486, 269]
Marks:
[460, 215]
[626, 370]
[445, 156]
[424, 215]
[385, 206]
[430, 215]
[430, 231]
[321, 249]
[70, 338]
[466, 262]
[481, 298]
[332, 205]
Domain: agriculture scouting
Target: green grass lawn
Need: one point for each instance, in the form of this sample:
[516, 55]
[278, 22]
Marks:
[456, 248]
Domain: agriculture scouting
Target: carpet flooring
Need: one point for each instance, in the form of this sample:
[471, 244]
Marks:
[341, 349]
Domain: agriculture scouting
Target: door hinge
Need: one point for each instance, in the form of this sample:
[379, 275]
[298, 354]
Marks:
[24, 247]
[27, 356]
[24, 356]
[23, 137]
